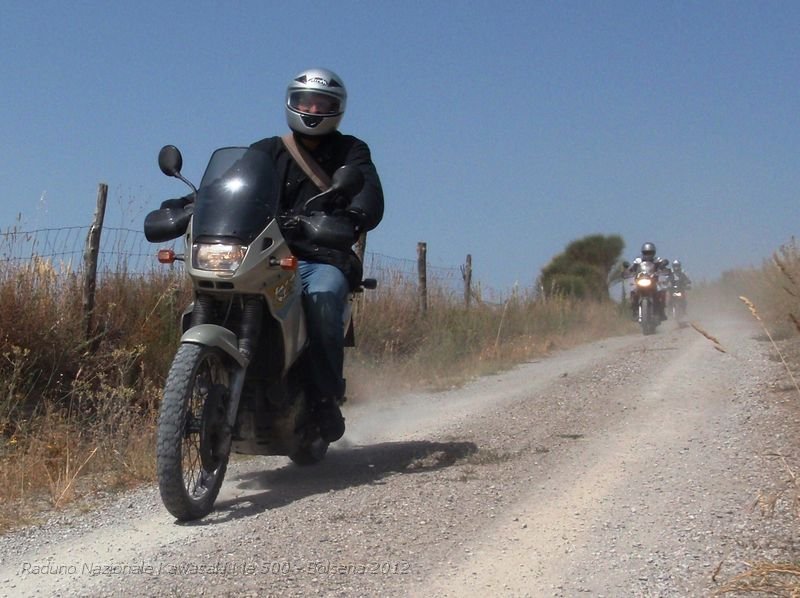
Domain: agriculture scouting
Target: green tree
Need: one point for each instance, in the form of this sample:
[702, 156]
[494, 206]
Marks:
[584, 269]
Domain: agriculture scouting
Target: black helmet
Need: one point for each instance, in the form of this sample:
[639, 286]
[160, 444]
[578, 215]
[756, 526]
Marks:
[648, 252]
[315, 102]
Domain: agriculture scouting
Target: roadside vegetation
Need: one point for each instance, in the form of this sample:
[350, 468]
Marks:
[771, 293]
[585, 269]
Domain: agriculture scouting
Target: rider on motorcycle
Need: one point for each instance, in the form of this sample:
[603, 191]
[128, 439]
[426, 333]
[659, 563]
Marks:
[662, 267]
[315, 103]
[681, 280]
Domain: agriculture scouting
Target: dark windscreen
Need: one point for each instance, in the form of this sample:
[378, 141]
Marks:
[238, 195]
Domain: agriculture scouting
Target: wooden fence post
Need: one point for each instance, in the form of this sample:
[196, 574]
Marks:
[422, 272]
[90, 255]
[466, 273]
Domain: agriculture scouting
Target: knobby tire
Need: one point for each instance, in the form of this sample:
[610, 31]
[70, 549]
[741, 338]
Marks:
[189, 486]
[648, 322]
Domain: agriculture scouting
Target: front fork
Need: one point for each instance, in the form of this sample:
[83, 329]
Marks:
[240, 349]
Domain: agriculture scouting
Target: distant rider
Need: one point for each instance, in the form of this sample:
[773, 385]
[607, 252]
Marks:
[662, 267]
[680, 280]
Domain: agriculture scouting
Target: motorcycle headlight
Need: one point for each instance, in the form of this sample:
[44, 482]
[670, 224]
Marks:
[644, 282]
[677, 294]
[217, 257]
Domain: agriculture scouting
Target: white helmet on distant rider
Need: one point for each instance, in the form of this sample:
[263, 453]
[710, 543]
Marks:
[315, 102]
[648, 252]
[676, 265]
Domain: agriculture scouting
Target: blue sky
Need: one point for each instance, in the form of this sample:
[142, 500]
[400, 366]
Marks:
[500, 129]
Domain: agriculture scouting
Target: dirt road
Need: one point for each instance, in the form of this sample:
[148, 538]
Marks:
[625, 467]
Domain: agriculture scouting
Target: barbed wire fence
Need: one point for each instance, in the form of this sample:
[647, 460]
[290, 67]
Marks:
[126, 249]
[65, 251]
[87, 254]
[95, 251]
[120, 249]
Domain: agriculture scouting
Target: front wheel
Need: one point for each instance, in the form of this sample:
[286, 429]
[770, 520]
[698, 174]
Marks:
[646, 316]
[192, 449]
[681, 314]
[682, 309]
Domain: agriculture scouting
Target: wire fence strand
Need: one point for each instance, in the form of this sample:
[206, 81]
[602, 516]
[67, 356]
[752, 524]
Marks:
[127, 250]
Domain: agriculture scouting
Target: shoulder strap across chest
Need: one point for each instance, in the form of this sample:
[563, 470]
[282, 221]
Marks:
[307, 163]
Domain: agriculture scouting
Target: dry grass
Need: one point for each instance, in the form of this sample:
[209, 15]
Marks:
[789, 490]
[780, 354]
[778, 298]
[56, 461]
[76, 415]
[766, 579]
[706, 334]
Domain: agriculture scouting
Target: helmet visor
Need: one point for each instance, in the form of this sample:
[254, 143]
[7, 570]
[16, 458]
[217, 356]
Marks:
[314, 103]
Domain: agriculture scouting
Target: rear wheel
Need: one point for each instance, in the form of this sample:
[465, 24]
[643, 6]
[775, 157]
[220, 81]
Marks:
[192, 449]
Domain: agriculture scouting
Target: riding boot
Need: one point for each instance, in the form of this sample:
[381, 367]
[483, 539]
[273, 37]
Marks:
[330, 420]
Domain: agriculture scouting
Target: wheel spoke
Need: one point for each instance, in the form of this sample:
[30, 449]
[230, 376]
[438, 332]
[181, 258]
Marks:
[196, 478]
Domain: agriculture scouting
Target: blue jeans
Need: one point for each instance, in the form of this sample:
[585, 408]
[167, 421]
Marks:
[325, 291]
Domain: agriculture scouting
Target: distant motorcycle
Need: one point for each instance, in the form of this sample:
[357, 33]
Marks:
[677, 302]
[646, 281]
[646, 287]
[237, 380]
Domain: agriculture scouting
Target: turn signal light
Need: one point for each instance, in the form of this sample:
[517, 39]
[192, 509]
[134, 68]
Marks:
[289, 263]
[166, 256]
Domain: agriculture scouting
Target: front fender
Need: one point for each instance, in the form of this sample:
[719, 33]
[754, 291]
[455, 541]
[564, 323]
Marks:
[212, 335]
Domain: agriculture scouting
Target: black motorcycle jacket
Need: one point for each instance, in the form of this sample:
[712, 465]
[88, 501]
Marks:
[365, 209]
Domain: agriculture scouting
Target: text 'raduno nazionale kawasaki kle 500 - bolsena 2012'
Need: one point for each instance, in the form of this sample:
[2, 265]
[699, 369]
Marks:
[237, 380]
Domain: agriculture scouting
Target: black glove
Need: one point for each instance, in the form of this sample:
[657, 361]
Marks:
[338, 202]
[358, 217]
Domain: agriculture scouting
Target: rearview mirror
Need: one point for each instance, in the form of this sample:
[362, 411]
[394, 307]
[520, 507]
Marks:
[170, 160]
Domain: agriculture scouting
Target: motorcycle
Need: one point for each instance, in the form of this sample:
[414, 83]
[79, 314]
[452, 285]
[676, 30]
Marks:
[646, 285]
[677, 302]
[237, 381]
